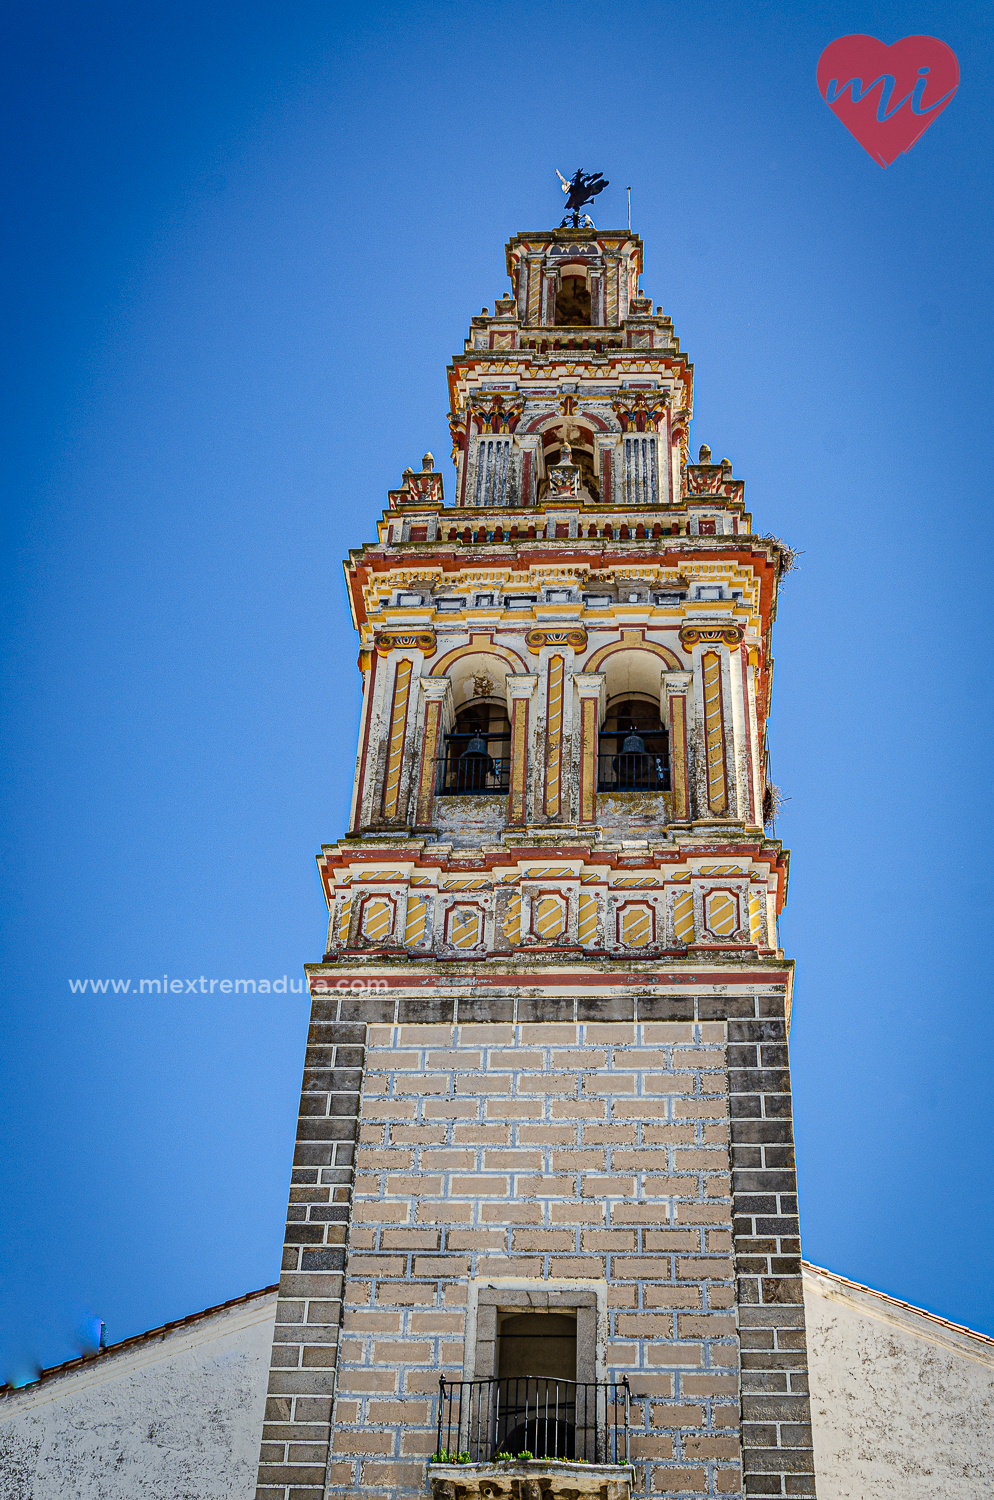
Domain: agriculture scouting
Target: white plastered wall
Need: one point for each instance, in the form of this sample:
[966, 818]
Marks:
[902, 1404]
[178, 1415]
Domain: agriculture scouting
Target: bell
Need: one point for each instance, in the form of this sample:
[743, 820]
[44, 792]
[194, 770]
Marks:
[475, 766]
[634, 745]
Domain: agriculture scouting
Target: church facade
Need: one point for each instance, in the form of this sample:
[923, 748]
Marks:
[544, 1198]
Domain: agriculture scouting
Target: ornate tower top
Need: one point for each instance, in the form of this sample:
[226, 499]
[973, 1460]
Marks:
[575, 654]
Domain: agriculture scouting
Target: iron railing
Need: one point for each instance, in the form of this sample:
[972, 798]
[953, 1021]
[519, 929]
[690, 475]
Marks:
[474, 765]
[620, 770]
[545, 1417]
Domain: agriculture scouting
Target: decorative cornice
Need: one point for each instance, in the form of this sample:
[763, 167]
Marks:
[726, 635]
[406, 640]
[576, 637]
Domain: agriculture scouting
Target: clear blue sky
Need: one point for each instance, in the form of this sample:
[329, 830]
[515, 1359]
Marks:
[242, 242]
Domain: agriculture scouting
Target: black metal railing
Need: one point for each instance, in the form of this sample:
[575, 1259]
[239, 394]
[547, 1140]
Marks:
[544, 1417]
[474, 764]
[632, 761]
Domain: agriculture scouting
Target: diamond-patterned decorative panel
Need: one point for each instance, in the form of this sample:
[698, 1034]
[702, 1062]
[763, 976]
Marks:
[636, 926]
[465, 924]
[377, 920]
[550, 917]
[722, 913]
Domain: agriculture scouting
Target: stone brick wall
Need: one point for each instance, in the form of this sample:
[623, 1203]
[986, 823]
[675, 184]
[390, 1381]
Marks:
[297, 1425]
[554, 1152]
[777, 1443]
[574, 1133]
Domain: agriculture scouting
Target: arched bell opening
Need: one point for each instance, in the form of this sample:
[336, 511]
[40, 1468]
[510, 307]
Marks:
[633, 748]
[477, 755]
[573, 302]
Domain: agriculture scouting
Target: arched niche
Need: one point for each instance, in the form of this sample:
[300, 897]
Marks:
[584, 453]
[633, 671]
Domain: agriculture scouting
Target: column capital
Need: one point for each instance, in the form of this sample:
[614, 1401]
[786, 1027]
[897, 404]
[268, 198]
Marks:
[710, 632]
[677, 682]
[589, 684]
[521, 684]
[434, 689]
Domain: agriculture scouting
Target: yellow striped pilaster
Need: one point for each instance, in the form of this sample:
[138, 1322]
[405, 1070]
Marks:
[534, 263]
[590, 688]
[554, 736]
[520, 688]
[587, 925]
[714, 732]
[395, 741]
[434, 691]
[417, 913]
[683, 916]
[676, 688]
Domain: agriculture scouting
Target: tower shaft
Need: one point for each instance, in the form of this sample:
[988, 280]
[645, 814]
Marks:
[545, 1131]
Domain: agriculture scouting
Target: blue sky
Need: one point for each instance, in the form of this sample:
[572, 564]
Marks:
[242, 243]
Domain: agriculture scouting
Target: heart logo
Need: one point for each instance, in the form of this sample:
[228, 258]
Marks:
[887, 97]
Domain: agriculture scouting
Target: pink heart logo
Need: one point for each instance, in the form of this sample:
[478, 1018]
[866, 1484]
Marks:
[887, 97]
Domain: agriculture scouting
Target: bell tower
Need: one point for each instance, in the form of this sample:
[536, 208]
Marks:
[543, 1237]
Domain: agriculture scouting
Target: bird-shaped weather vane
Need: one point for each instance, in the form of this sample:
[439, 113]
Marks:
[582, 187]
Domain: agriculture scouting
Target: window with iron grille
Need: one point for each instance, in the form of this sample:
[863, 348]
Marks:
[476, 757]
[633, 753]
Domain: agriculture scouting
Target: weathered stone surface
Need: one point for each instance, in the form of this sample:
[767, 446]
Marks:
[534, 1480]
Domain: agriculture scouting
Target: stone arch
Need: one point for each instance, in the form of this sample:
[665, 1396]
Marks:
[632, 671]
[465, 666]
[665, 656]
[557, 419]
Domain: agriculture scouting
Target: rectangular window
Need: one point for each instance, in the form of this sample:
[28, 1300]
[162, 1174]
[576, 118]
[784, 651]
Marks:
[493, 463]
[641, 481]
[538, 1332]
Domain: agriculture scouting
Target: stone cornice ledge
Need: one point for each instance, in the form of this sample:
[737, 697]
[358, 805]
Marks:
[536, 1479]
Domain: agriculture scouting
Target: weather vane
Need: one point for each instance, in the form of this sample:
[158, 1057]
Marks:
[582, 188]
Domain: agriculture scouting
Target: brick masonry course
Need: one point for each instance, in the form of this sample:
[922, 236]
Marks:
[639, 1154]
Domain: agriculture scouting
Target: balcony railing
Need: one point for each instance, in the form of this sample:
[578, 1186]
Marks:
[632, 761]
[474, 765]
[544, 1417]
